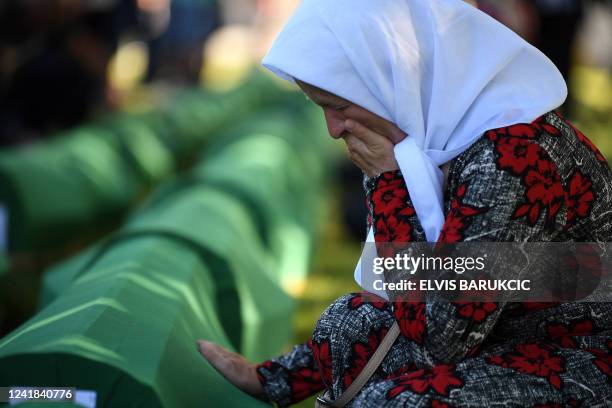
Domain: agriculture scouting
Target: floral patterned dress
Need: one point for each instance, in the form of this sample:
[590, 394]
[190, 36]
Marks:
[540, 182]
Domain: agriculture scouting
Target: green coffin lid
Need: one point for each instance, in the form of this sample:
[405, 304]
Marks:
[53, 190]
[221, 225]
[265, 173]
[146, 143]
[127, 330]
[273, 163]
[56, 190]
[61, 275]
[220, 228]
[197, 115]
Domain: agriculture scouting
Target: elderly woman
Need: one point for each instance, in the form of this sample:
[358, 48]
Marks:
[450, 116]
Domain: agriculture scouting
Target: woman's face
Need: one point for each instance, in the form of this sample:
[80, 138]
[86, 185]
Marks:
[337, 110]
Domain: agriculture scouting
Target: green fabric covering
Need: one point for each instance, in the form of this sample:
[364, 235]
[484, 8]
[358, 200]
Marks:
[197, 115]
[57, 190]
[57, 278]
[268, 174]
[259, 187]
[53, 190]
[127, 329]
[217, 242]
[220, 224]
[275, 164]
[220, 228]
[145, 143]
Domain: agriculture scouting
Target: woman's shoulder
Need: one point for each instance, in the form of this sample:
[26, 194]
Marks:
[547, 166]
[548, 143]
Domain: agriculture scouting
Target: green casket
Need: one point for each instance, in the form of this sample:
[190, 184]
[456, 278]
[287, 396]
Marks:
[54, 191]
[126, 330]
[215, 224]
[267, 173]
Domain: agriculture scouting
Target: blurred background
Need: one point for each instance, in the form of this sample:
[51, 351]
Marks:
[148, 168]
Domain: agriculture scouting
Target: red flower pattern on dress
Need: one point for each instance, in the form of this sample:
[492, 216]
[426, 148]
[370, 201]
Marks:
[452, 230]
[563, 333]
[544, 193]
[361, 354]
[304, 382]
[545, 127]
[440, 379]
[322, 356]
[392, 214]
[579, 198]
[411, 318]
[475, 311]
[458, 206]
[457, 219]
[517, 155]
[391, 211]
[407, 211]
[534, 359]
[524, 130]
[392, 230]
[389, 196]
[439, 404]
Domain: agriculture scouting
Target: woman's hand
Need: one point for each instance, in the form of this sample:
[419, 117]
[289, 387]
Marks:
[235, 368]
[370, 151]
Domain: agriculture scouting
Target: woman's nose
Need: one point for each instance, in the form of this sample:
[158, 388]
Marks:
[335, 122]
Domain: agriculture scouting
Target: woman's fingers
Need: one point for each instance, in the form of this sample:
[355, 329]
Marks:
[355, 146]
[234, 367]
[368, 136]
[359, 152]
[371, 152]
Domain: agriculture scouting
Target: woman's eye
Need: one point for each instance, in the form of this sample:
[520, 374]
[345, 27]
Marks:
[342, 107]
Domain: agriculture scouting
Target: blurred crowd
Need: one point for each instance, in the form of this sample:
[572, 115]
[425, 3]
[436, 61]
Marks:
[55, 53]
[553, 26]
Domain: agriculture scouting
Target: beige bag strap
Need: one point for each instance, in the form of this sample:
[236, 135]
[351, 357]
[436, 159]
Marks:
[364, 375]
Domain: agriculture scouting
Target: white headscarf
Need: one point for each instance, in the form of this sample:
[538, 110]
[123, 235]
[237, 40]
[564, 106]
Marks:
[441, 70]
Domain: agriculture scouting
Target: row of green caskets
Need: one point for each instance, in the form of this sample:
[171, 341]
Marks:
[51, 191]
[210, 255]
